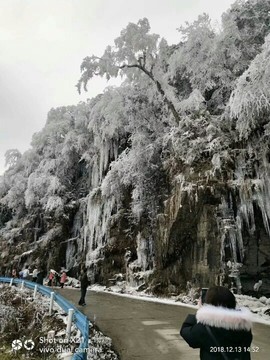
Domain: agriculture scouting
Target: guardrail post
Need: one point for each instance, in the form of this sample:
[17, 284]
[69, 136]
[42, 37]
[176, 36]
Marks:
[69, 322]
[22, 285]
[35, 292]
[51, 303]
[11, 282]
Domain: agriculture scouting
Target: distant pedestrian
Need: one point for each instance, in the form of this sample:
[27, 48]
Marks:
[56, 279]
[84, 284]
[51, 278]
[40, 276]
[34, 275]
[219, 329]
[14, 273]
[25, 273]
[257, 286]
[63, 278]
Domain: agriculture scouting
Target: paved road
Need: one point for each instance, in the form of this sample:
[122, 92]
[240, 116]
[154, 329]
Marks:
[143, 330]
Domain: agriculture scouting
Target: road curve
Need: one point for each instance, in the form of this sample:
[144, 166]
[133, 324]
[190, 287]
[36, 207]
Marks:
[143, 330]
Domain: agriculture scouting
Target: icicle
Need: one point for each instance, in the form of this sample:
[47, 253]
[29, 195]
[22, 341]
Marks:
[95, 173]
[253, 191]
[96, 225]
[239, 237]
[115, 149]
[142, 252]
[230, 228]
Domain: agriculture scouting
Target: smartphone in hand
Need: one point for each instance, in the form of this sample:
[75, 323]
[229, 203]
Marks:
[203, 294]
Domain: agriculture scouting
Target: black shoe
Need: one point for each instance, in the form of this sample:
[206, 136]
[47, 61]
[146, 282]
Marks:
[83, 304]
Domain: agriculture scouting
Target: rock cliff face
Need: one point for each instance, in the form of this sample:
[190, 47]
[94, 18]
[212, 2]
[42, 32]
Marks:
[204, 234]
[206, 231]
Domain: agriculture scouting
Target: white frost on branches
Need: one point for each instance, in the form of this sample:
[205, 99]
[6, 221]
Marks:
[251, 97]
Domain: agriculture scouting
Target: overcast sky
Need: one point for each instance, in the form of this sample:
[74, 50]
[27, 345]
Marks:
[43, 42]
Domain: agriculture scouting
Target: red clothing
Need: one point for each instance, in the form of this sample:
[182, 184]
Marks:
[63, 278]
[51, 276]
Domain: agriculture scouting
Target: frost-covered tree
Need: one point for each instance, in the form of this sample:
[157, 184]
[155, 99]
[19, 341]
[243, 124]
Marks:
[138, 168]
[11, 157]
[14, 187]
[192, 58]
[49, 140]
[250, 101]
[245, 26]
[13, 182]
[211, 60]
[135, 52]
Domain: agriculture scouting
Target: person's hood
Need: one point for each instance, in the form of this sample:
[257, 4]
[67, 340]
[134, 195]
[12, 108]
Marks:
[229, 319]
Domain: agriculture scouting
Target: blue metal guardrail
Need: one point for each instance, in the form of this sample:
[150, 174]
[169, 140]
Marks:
[80, 320]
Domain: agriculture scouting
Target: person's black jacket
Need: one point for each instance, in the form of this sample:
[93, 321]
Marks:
[40, 277]
[84, 281]
[231, 328]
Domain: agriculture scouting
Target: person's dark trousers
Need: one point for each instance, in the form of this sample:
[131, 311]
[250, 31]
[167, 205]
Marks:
[82, 299]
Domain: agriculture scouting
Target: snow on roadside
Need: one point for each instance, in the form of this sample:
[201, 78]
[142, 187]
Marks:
[257, 306]
[100, 346]
[260, 307]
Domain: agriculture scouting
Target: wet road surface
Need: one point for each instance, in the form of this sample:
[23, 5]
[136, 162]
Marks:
[148, 330]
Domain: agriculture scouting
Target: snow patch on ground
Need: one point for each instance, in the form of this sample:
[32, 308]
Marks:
[100, 346]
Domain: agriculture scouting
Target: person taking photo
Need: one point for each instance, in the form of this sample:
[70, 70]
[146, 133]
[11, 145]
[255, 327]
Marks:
[219, 329]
